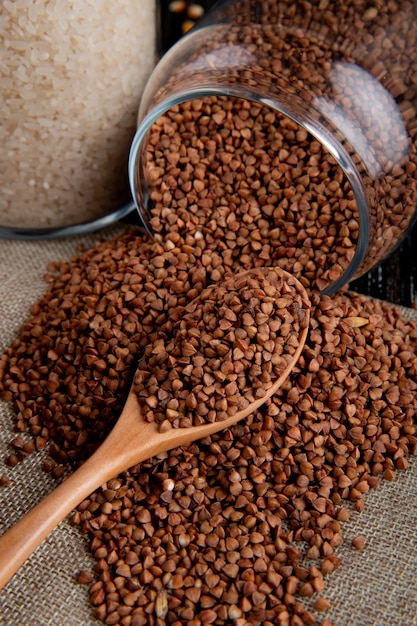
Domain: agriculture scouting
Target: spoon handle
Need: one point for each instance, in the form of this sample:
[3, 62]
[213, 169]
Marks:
[126, 445]
[131, 441]
[24, 537]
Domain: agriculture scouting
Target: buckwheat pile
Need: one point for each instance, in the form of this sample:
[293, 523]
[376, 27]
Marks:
[243, 526]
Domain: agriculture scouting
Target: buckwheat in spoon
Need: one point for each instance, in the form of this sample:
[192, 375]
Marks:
[214, 362]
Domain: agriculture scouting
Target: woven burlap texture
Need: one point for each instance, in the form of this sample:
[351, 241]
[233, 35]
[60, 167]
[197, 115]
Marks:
[373, 587]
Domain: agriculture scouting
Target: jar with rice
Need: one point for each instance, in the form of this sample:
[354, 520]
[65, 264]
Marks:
[72, 74]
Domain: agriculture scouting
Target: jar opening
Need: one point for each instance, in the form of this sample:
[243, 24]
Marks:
[271, 189]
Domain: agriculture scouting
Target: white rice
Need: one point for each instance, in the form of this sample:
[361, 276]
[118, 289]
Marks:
[71, 77]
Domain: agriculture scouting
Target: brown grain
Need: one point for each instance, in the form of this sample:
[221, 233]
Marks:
[222, 352]
[224, 154]
[214, 525]
[358, 542]
[245, 524]
[265, 203]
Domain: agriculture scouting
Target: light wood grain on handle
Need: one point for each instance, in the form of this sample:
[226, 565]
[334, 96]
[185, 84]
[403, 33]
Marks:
[126, 445]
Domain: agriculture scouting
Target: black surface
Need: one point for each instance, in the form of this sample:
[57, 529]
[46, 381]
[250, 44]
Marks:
[395, 279]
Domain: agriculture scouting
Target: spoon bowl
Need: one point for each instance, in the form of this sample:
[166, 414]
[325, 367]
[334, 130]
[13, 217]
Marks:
[136, 437]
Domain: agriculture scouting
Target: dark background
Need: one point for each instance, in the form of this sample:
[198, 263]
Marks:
[395, 280]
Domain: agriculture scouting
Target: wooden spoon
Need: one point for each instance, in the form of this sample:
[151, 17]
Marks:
[131, 441]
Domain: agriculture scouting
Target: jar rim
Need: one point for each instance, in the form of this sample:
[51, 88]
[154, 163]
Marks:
[315, 128]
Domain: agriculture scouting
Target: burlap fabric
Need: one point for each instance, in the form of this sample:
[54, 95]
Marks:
[374, 587]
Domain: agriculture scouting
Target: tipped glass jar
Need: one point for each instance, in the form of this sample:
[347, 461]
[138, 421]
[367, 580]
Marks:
[288, 130]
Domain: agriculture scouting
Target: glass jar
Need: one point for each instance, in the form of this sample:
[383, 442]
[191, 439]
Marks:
[72, 74]
[298, 120]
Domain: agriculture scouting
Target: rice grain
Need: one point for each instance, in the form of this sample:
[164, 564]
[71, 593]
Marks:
[71, 77]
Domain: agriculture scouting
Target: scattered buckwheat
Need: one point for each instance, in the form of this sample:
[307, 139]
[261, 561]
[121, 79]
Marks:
[243, 525]
[358, 542]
